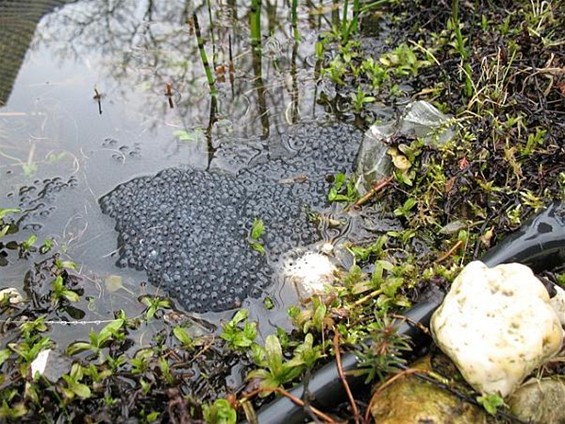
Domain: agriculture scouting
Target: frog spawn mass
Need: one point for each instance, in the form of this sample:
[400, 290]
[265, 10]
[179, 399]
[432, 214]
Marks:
[189, 229]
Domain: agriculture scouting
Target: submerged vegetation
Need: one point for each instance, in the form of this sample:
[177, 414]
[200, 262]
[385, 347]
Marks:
[498, 69]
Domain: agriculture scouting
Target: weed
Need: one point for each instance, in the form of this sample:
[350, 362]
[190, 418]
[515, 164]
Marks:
[154, 305]
[383, 355]
[74, 387]
[239, 338]
[360, 99]
[219, 412]
[459, 44]
[28, 245]
[182, 335]
[491, 402]
[30, 345]
[316, 318]
[275, 371]
[343, 190]
[257, 230]
[60, 292]
[112, 332]
[406, 208]
[373, 250]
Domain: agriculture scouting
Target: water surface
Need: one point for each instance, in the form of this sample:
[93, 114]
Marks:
[94, 93]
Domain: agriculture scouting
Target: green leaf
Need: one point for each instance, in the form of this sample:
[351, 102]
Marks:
[4, 230]
[28, 244]
[81, 390]
[110, 330]
[46, 246]
[4, 355]
[273, 351]
[182, 335]
[6, 211]
[257, 228]
[491, 402]
[78, 347]
[239, 316]
[65, 264]
[71, 296]
[220, 412]
[258, 247]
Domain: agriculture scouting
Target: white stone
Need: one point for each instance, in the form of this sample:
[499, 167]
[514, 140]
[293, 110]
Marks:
[312, 274]
[497, 325]
[13, 294]
[40, 362]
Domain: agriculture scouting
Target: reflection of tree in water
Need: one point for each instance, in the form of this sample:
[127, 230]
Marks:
[18, 20]
[144, 46]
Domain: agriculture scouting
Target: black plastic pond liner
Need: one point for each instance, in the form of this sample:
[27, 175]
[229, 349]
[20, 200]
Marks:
[539, 243]
[325, 387]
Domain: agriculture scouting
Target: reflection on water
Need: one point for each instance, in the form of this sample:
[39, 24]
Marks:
[109, 90]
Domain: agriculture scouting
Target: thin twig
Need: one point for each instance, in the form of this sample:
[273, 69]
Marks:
[376, 188]
[342, 377]
[375, 293]
[416, 324]
[449, 252]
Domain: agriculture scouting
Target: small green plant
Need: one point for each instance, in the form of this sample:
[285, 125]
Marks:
[140, 362]
[460, 46]
[374, 249]
[533, 141]
[238, 337]
[154, 304]
[46, 246]
[4, 226]
[60, 292]
[403, 61]
[74, 387]
[405, 209]
[375, 72]
[61, 265]
[384, 354]
[530, 199]
[403, 236]
[343, 190]
[219, 412]
[166, 370]
[360, 99]
[14, 411]
[491, 402]
[30, 344]
[275, 371]
[317, 317]
[114, 331]
[183, 337]
[257, 230]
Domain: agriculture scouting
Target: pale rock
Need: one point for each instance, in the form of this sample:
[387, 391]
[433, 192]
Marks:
[539, 401]
[311, 274]
[497, 325]
[11, 293]
[40, 362]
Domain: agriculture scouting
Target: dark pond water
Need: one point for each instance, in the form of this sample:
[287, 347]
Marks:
[94, 93]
